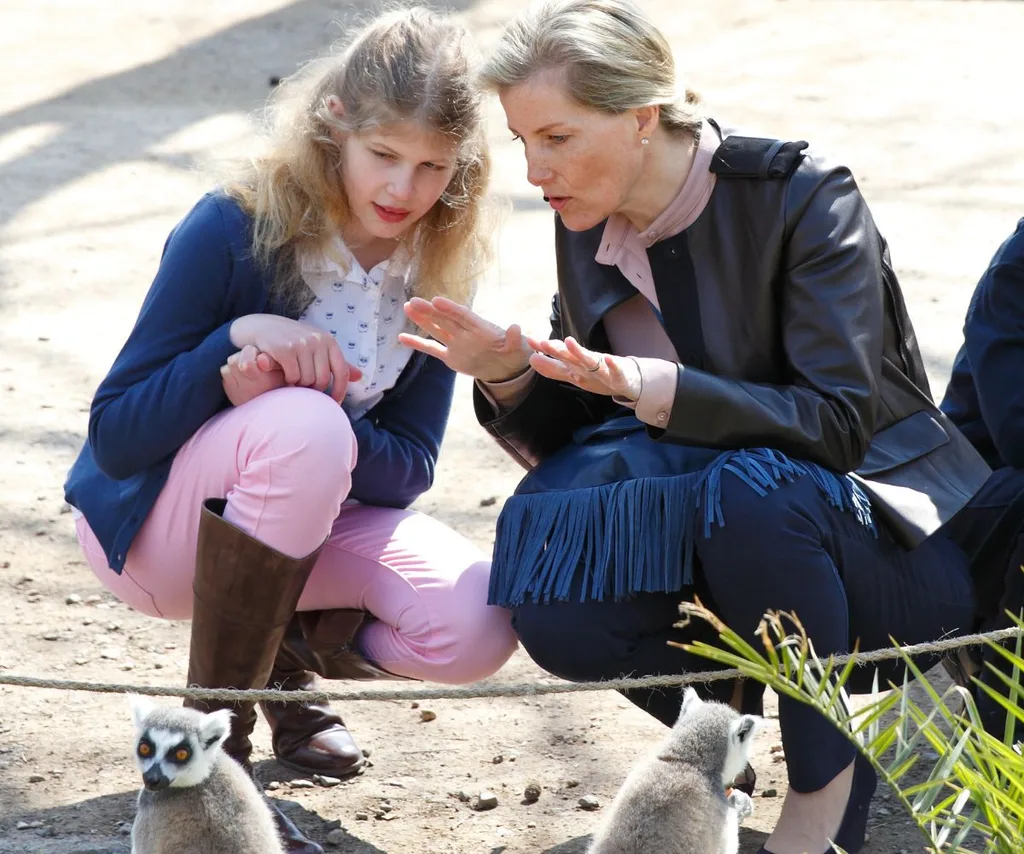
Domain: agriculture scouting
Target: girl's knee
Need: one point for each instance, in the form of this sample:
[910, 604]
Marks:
[479, 637]
[305, 430]
[445, 632]
[304, 417]
[481, 646]
[455, 653]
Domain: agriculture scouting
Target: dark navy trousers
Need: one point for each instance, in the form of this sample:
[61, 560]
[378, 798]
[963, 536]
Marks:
[790, 551]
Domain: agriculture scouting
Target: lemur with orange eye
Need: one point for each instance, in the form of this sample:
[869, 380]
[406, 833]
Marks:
[195, 799]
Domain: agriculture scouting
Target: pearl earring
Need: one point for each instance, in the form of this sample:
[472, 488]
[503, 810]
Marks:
[645, 141]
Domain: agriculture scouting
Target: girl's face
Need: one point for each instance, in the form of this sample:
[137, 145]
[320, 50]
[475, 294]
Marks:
[585, 162]
[393, 175]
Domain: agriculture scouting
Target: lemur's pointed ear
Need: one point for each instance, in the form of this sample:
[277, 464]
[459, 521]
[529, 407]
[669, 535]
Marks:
[140, 707]
[216, 726]
[690, 702]
[743, 728]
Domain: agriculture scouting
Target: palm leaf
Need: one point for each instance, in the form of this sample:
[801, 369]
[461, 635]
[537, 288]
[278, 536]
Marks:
[969, 786]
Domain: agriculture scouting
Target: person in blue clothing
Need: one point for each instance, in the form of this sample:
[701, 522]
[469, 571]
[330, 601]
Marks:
[985, 395]
[252, 451]
[985, 399]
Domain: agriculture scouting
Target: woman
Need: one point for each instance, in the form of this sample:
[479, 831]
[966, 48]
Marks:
[731, 403]
[253, 448]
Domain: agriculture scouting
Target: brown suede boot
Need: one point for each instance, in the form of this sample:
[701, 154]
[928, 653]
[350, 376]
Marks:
[245, 593]
[310, 737]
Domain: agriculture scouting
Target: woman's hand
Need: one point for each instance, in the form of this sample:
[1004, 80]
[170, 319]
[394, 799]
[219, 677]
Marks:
[307, 356]
[602, 373]
[248, 374]
[466, 342]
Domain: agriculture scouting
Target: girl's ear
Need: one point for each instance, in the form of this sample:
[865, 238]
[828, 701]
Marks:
[335, 106]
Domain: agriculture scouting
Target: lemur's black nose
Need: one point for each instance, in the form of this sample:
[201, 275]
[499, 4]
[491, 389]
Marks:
[155, 779]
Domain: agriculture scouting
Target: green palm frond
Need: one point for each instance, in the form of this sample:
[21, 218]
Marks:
[963, 787]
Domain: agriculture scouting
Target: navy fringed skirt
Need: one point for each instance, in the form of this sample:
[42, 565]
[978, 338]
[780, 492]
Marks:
[586, 512]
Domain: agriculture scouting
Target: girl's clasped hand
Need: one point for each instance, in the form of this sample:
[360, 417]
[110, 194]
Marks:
[278, 351]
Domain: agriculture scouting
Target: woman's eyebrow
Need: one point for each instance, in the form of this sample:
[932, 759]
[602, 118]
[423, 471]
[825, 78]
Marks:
[544, 129]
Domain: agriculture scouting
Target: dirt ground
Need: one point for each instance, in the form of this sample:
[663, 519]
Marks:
[108, 114]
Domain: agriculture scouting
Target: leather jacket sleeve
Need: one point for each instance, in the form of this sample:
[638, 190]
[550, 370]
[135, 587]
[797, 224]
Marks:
[546, 418]
[831, 302]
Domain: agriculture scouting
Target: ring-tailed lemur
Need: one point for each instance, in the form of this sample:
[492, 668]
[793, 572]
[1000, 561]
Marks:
[195, 799]
[674, 801]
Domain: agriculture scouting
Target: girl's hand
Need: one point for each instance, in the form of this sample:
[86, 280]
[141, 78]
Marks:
[602, 373]
[307, 356]
[248, 374]
[466, 342]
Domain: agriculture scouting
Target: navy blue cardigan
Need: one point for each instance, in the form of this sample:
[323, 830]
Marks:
[985, 396]
[165, 384]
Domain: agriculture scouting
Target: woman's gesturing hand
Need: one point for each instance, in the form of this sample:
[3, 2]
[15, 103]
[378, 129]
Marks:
[466, 342]
[602, 373]
[306, 356]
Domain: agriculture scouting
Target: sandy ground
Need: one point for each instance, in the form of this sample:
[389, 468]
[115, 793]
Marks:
[109, 112]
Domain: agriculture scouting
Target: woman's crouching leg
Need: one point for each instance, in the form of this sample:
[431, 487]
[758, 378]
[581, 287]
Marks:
[591, 641]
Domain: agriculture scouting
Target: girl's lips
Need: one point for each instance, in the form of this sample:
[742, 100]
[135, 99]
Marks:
[391, 215]
[557, 202]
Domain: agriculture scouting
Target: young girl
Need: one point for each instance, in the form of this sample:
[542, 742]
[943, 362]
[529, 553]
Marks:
[253, 448]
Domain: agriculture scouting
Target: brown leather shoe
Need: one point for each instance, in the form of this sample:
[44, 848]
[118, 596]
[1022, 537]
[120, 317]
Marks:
[310, 737]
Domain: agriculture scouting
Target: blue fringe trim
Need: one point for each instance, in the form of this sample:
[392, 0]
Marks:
[635, 536]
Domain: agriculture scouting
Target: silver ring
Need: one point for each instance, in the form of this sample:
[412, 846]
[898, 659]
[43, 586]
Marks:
[597, 367]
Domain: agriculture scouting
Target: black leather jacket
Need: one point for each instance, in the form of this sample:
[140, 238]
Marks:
[808, 345]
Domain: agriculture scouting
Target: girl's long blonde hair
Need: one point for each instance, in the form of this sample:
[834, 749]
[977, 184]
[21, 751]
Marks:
[410, 64]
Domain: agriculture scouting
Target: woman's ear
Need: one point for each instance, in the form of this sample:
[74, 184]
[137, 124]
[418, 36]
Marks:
[647, 120]
[335, 106]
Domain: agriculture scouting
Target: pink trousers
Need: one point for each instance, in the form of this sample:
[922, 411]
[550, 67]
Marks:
[284, 463]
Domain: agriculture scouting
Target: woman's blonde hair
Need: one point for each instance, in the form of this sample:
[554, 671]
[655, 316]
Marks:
[408, 64]
[612, 55]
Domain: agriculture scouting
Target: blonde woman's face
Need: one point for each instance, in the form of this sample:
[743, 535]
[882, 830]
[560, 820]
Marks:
[585, 162]
[393, 176]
